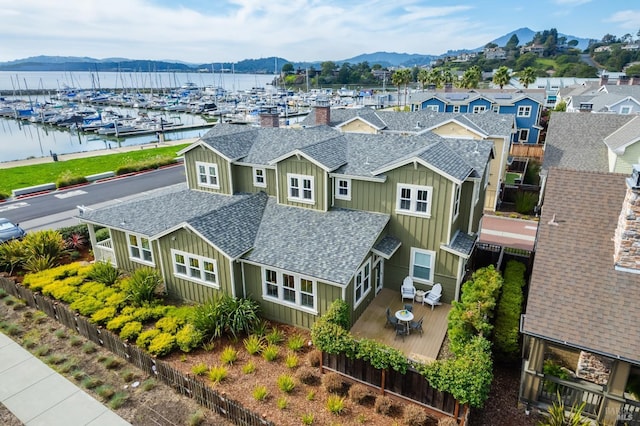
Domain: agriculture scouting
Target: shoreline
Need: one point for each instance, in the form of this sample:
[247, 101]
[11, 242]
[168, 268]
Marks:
[94, 153]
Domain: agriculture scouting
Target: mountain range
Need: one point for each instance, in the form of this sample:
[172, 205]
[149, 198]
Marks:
[256, 66]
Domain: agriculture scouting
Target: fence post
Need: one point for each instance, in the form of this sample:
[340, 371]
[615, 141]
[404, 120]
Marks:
[382, 381]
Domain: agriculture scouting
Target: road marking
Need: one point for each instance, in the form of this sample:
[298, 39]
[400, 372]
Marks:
[13, 206]
[70, 194]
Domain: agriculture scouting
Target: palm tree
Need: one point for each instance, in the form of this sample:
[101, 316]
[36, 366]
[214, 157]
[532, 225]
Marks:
[527, 76]
[502, 76]
[435, 77]
[402, 78]
[471, 78]
[447, 76]
[423, 77]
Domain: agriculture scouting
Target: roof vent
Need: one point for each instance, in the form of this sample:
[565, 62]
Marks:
[418, 125]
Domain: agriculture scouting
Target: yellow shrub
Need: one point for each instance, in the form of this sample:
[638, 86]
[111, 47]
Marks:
[103, 315]
[162, 344]
[118, 322]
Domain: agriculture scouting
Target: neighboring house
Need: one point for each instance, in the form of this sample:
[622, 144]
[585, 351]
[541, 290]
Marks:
[537, 49]
[526, 105]
[494, 53]
[487, 126]
[585, 309]
[296, 218]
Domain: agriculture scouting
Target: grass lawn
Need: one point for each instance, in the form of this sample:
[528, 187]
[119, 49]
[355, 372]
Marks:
[37, 174]
[511, 177]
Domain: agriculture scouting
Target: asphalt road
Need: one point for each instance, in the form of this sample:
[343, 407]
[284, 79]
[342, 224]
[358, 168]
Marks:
[58, 208]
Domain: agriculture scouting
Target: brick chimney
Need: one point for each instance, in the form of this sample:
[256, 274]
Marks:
[604, 79]
[323, 112]
[626, 256]
[448, 87]
[270, 118]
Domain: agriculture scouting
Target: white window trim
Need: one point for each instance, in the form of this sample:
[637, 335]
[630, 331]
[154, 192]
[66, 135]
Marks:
[524, 111]
[256, 182]
[365, 292]
[280, 299]
[201, 260]
[338, 187]
[520, 132]
[476, 192]
[479, 108]
[300, 198]
[139, 238]
[435, 108]
[456, 200]
[207, 165]
[456, 108]
[414, 191]
[432, 254]
[625, 110]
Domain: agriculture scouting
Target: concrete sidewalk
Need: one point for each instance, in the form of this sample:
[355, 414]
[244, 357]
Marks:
[37, 395]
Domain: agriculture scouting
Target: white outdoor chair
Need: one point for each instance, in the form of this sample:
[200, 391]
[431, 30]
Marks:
[408, 290]
[432, 297]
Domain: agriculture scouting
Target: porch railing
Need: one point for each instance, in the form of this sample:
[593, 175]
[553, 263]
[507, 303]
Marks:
[572, 393]
[629, 414]
[103, 252]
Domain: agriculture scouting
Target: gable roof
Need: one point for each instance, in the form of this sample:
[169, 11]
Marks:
[329, 246]
[161, 210]
[576, 141]
[626, 135]
[594, 307]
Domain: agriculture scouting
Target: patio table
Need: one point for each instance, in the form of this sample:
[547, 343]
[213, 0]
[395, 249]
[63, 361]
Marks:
[404, 316]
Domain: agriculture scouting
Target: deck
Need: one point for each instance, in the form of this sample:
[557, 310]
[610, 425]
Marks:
[371, 325]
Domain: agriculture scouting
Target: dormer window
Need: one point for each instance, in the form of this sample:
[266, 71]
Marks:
[300, 188]
[207, 175]
[343, 189]
[259, 177]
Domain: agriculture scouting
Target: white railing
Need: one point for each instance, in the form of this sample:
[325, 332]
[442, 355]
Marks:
[103, 252]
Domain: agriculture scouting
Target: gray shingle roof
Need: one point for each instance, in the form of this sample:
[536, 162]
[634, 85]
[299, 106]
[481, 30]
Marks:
[576, 296]
[462, 243]
[160, 211]
[441, 156]
[326, 245]
[331, 153]
[627, 134]
[233, 227]
[231, 141]
[388, 245]
[576, 140]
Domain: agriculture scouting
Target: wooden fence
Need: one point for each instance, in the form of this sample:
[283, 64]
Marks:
[527, 150]
[410, 386]
[186, 385]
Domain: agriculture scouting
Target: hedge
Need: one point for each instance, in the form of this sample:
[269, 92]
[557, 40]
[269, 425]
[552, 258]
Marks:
[506, 331]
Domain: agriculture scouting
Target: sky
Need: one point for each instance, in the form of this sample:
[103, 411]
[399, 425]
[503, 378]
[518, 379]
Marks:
[212, 31]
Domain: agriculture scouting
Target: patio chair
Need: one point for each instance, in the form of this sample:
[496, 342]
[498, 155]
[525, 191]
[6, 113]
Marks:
[408, 290]
[391, 319]
[432, 297]
[408, 307]
[416, 325]
[401, 330]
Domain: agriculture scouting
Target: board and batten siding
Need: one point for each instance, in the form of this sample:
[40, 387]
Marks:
[325, 296]
[243, 180]
[413, 231]
[304, 167]
[121, 249]
[205, 155]
[189, 242]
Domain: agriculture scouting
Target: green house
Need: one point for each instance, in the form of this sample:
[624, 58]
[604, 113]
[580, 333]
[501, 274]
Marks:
[296, 218]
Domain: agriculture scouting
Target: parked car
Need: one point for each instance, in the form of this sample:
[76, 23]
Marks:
[10, 231]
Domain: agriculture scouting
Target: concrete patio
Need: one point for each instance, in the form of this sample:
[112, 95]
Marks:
[421, 348]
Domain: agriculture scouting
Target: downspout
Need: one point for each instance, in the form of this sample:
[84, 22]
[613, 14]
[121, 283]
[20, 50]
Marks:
[233, 281]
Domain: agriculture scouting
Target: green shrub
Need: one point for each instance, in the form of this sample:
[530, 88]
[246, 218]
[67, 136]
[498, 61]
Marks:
[550, 368]
[102, 234]
[196, 418]
[260, 393]
[188, 338]
[38, 263]
[226, 315]
[91, 382]
[335, 404]
[295, 342]
[229, 355]
[338, 313]
[105, 273]
[506, 332]
[12, 255]
[118, 322]
[112, 363]
[118, 399]
[311, 395]
[105, 391]
[89, 348]
[68, 231]
[104, 315]
[46, 244]
[131, 330]
[86, 305]
[270, 353]
[525, 202]
[168, 324]
[254, 344]
[141, 287]
[286, 383]
[199, 369]
[275, 337]
[249, 368]
[145, 338]
[292, 360]
[162, 344]
[68, 178]
[307, 419]
[148, 385]
[282, 403]
[218, 373]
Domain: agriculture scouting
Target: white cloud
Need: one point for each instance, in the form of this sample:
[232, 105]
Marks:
[627, 20]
